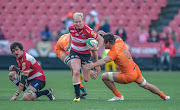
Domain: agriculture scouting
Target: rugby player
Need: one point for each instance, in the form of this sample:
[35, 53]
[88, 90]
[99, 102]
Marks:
[28, 74]
[130, 71]
[80, 53]
[65, 57]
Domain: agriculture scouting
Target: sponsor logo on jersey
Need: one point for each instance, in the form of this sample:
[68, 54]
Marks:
[92, 32]
[23, 64]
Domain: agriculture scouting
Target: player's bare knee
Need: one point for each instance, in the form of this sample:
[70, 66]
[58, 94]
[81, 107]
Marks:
[143, 84]
[104, 76]
[86, 80]
[27, 97]
[76, 72]
[11, 75]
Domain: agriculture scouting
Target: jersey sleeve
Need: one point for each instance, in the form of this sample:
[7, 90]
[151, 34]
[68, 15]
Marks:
[112, 54]
[26, 66]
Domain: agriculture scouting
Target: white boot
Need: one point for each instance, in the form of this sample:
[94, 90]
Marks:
[116, 98]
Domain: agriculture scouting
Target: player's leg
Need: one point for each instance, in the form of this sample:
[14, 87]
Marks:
[85, 72]
[15, 77]
[76, 62]
[144, 84]
[65, 57]
[32, 92]
[83, 90]
[109, 78]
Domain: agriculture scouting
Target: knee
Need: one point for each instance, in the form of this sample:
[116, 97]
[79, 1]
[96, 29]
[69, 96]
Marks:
[76, 72]
[104, 76]
[11, 75]
[27, 97]
[86, 80]
[146, 86]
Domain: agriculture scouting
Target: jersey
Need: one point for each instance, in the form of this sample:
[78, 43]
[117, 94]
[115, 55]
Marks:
[29, 63]
[121, 57]
[79, 38]
[62, 42]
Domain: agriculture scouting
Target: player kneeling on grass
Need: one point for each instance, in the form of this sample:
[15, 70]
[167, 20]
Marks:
[130, 71]
[29, 73]
[59, 49]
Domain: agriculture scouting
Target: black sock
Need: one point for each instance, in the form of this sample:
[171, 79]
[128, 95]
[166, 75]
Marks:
[77, 90]
[17, 84]
[40, 93]
[82, 88]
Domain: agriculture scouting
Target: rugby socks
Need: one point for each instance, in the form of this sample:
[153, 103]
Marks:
[16, 82]
[40, 93]
[82, 88]
[162, 95]
[77, 89]
[116, 92]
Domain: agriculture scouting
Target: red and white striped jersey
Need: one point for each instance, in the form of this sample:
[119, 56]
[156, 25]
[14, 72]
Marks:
[29, 63]
[79, 38]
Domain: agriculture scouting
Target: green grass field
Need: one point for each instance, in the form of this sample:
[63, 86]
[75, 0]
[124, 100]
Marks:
[136, 98]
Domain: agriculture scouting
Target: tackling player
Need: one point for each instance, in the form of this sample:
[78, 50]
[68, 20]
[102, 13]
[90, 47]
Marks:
[80, 53]
[28, 74]
[65, 57]
[130, 71]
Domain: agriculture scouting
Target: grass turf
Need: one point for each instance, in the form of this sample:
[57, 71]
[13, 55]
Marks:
[136, 98]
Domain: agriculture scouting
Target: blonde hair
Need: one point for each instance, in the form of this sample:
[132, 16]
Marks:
[78, 14]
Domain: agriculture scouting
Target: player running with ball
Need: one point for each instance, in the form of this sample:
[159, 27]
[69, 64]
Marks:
[65, 57]
[80, 53]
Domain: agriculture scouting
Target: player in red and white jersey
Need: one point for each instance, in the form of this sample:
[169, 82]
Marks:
[80, 53]
[29, 73]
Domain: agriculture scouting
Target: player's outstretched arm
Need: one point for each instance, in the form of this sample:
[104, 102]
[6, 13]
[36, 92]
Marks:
[99, 62]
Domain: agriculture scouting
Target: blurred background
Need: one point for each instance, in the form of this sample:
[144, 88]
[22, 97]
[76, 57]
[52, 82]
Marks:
[150, 29]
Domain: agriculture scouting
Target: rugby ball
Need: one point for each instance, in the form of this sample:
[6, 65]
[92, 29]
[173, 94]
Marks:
[91, 42]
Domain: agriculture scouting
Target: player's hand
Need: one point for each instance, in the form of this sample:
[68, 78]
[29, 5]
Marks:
[13, 98]
[67, 47]
[101, 32]
[12, 68]
[93, 75]
[94, 48]
[98, 70]
[90, 65]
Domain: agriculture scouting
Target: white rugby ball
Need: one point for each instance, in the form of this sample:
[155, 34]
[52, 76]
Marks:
[91, 42]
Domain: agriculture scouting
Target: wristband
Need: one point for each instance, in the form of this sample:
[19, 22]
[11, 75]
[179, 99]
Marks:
[17, 93]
